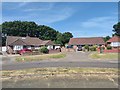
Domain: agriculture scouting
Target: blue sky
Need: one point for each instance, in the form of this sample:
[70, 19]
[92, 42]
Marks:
[82, 19]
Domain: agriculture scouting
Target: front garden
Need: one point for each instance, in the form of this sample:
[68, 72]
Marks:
[40, 57]
[103, 56]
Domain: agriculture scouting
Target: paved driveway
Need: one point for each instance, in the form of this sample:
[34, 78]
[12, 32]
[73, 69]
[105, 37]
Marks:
[73, 59]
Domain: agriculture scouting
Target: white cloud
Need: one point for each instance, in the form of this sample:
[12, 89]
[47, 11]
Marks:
[56, 16]
[13, 5]
[94, 27]
[47, 6]
[51, 16]
[103, 23]
[45, 13]
[22, 4]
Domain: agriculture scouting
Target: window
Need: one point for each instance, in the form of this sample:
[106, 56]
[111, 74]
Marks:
[115, 44]
[18, 47]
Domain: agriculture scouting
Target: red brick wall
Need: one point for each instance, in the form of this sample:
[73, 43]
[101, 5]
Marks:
[111, 51]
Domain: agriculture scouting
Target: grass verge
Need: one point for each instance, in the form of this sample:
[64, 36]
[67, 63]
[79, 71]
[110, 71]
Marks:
[59, 72]
[40, 57]
[104, 55]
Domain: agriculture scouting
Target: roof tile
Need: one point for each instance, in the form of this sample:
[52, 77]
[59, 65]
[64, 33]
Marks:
[83, 41]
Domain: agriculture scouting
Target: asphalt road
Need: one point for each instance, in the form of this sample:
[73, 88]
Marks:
[71, 60]
[18, 66]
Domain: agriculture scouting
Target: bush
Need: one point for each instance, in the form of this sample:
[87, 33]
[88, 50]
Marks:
[109, 47]
[86, 47]
[44, 50]
[93, 48]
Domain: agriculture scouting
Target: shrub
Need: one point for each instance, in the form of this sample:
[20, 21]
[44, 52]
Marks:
[93, 48]
[44, 50]
[109, 47]
[86, 47]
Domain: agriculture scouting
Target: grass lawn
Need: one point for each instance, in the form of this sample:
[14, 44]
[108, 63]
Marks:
[59, 72]
[97, 55]
[40, 57]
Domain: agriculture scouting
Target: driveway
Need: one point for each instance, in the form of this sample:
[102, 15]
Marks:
[73, 59]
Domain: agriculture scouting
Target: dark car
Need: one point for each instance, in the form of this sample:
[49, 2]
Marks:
[25, 50]
[79, 48]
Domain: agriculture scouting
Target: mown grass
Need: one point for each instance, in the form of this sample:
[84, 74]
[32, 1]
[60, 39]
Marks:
[40, 57]
[57, 71]
[104, 55]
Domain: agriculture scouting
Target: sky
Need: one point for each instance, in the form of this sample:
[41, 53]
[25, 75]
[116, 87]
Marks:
[82, 19]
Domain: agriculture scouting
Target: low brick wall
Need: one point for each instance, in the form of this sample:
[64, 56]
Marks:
[111, 51]
[54, 51]
[67, 50]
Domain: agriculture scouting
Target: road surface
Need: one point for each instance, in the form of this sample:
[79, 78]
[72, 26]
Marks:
[78, 59]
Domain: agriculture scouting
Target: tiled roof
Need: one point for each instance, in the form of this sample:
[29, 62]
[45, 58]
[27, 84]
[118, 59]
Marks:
[114, 39]
[83, 41]
[15, 40]
[48, 42]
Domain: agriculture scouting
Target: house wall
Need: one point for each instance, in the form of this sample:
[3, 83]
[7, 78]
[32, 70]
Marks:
[28, 47]
[37, 47]
[56, 47]
[50, 47]
[115, 44]
[4, 48]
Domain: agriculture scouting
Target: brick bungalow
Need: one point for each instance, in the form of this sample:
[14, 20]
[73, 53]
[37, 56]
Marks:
[15, 43]
[114, 42]
[86, 41]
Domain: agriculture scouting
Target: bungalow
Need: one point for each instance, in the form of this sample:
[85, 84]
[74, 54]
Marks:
[15, 43]
[86, 41]
[114, 41]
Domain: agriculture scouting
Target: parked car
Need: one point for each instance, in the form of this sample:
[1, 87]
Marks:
[70, 46]
[25, 50]
[79, 48]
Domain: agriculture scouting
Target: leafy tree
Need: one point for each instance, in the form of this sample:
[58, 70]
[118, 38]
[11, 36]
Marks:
[0, 35]
[59, 39]
[67, 36]
[46, 33]
[117, 29]
[25, 28]
[18, 28]
[106, 38]
[63, 38]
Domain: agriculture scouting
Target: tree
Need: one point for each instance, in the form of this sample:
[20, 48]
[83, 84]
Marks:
[0, 35]
[19, 28]
[63, 38]
[106, 38]
[59, 39]
[25, 28]
[117, 29]
[46, 33]
[67, 36]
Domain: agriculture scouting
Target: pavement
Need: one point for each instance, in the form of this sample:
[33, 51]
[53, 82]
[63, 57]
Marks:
[61, 82]
[73, 59]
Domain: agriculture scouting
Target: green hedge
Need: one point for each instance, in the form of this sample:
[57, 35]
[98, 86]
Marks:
[109, 47]
[93, 48]
[44, 50]
[86, 47]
